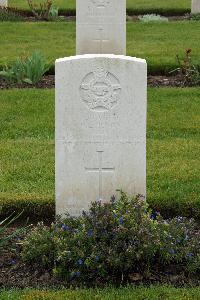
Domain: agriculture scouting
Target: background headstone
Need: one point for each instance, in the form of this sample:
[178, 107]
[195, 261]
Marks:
[101, 26]
[195, 6]
[100, 129]
[3, 3]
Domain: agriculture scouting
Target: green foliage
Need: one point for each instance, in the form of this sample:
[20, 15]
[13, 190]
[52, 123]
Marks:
[9, 15]
[189, 73]
[195, 17]
[5, 238]
[152, 18]
[28, 70]
[53, 13]
[113, 241]
[41, 10]
[169, 7]
[43, 240]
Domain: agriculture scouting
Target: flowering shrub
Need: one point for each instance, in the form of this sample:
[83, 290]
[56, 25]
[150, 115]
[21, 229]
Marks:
[188, 72]
[113, 241]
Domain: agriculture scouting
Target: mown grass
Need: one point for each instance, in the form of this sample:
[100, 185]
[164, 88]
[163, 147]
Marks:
[158, 43]
[129, 293]
[27, 151]
[133, 5]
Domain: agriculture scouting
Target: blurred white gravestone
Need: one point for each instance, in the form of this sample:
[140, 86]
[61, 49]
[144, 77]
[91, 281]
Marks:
[195, 6]
[100, 129]
[101, 26]
[3, 3]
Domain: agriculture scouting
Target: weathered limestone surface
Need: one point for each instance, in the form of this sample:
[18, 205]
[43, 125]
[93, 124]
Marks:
[3, 3]
[195, 6]
[100, 129]
[100, 26]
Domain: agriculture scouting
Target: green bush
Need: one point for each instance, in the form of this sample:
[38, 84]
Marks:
[26, 70]
[53, 13]
[113, 241]
[152, 18]
[195, 17]
[40, 10]
[9, 15]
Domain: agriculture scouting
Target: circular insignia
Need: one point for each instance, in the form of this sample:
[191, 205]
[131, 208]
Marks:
[100, 90]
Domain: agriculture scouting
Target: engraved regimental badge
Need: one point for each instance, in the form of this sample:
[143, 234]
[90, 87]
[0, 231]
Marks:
[100, 90]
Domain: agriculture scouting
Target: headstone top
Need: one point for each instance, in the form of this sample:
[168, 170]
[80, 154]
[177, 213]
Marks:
[95, 56]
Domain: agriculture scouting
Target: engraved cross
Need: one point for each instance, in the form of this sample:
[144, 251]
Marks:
[100, 170]
[101, 40]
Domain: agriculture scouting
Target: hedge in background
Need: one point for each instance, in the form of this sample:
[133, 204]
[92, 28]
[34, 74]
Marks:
[168, 7]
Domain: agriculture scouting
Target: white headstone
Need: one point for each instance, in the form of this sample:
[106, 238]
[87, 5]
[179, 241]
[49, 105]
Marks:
[100, 129]
[101, 26]
[195, 6]
[3, 3]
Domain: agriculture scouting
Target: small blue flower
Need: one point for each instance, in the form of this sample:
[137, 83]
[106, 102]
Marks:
[90, 232]
[121, 221]
[78, 274]
[153, 216]
[80, 262]
[97, 258]
[65, 227]
[171, 251]
[13, 261]
[178, 241]
[190, 255]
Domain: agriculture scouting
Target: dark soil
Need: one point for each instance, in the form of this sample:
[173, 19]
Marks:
[48, 81]
[133, 18]
[60, 18]
[165, 81]
[14, 273]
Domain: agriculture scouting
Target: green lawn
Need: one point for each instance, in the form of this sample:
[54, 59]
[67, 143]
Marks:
[27, 151]
[157, 42]
[135, 5]
[140, 293]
